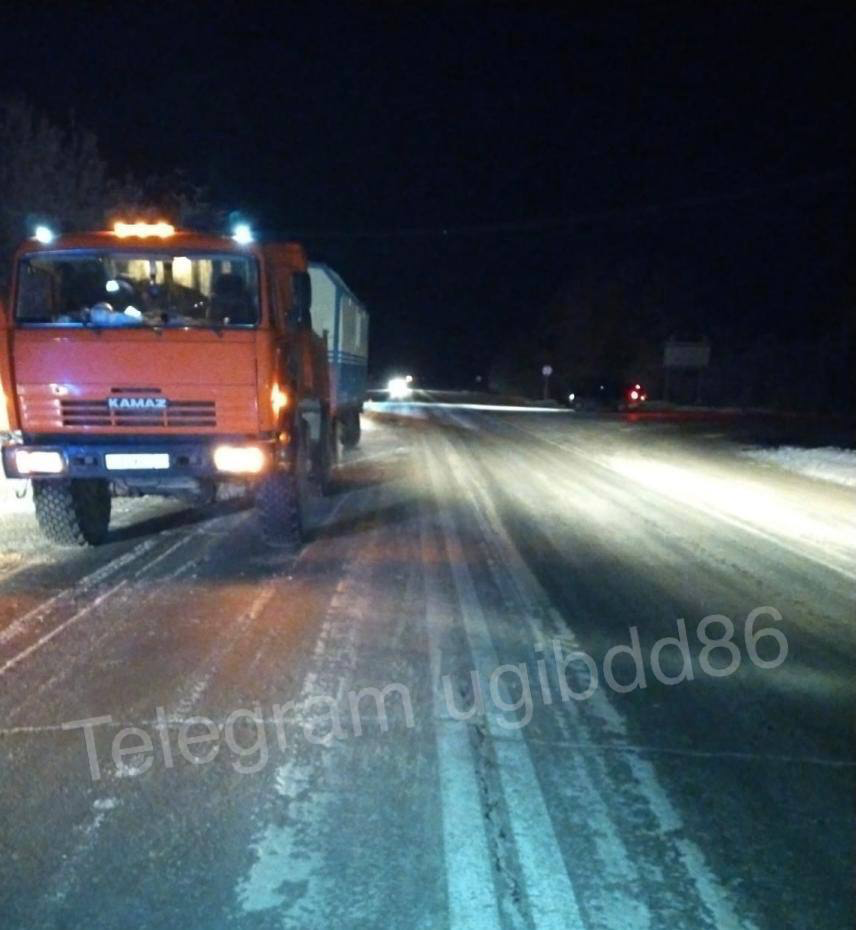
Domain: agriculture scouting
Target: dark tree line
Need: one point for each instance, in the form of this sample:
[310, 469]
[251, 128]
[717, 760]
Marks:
[56, 174]
[769, 286]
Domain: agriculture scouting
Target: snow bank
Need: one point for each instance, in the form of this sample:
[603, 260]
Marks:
[828, 464]
[16, 496]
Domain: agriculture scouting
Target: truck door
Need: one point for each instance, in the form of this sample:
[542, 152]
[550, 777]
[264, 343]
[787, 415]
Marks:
[8, 406]
[294, 337]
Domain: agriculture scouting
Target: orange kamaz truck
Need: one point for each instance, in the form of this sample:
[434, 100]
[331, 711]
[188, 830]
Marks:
[151, 360]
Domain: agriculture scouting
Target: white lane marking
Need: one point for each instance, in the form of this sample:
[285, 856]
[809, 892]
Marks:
[279, 853]
[17, 625]
[552, 900]
[105, 571]
[616, 870]
[37, 613]
[168, 551]
[388, 454]
[532, 596]
[396, 406]
[32, 730]
[771, 758]
[74, 618]
[94, 645]
[88, 832]
[469, 876]
[199, 685]
[708, 887]
[84, 611]
[64, 880]
[175, 723]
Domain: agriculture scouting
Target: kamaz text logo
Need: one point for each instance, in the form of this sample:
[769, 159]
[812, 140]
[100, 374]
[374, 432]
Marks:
[137, 403]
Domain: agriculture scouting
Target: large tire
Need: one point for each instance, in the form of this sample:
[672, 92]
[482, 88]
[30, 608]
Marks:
[281, 499]
[324, 456]
[73, 512]
[350, 429]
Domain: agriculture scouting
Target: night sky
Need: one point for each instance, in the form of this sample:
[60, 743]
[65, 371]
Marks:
[461, 164]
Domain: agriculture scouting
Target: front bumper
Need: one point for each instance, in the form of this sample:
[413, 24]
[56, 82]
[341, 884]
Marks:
[87, 458]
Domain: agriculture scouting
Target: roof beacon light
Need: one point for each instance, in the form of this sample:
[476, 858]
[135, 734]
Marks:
[159, 230]
[43, 234]
[242, 233]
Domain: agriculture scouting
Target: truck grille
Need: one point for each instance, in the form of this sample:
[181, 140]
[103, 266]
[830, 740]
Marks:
[181, 413]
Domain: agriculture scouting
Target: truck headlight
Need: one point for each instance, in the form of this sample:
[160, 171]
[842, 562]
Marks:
[240, 460]
[5, 422]
[39, 462]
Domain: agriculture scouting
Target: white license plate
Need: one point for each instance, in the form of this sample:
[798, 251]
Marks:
[122, 461]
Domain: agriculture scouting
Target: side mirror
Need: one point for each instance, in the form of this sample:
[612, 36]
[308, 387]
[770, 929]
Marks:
[301, 287]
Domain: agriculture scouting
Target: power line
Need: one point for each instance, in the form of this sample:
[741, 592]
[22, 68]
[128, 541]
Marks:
[559, 224]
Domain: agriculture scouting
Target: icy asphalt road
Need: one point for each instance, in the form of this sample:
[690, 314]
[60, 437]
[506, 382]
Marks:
[464, 554]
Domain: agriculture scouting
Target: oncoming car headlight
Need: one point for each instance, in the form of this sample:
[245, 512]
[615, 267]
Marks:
[399, 389]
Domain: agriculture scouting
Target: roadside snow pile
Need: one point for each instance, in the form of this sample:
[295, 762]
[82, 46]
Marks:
[828, 464]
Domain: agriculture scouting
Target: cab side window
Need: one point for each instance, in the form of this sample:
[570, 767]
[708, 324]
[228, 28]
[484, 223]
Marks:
[36, 294]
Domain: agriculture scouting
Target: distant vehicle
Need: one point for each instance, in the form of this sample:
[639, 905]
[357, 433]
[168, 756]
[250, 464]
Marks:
[399, 388]
[150, 360]
[342, 321]
[635, 396]
[606, 394]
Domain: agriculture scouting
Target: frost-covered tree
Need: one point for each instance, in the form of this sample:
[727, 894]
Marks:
[46, 171]
[56, 173]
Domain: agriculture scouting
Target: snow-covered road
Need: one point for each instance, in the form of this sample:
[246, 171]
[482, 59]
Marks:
[533, 671]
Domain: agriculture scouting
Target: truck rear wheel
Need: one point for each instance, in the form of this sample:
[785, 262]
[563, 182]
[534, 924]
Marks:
[325, 456]
[350, 429]
[73, 512]
[281, 499]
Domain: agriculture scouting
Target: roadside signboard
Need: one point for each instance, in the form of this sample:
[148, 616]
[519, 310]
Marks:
[686, 354]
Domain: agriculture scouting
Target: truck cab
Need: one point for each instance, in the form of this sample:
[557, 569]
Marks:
[150, 360]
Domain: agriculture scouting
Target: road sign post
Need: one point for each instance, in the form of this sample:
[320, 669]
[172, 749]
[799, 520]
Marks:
[546, 371]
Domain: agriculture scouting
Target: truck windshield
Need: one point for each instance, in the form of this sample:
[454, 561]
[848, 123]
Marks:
[111, 289]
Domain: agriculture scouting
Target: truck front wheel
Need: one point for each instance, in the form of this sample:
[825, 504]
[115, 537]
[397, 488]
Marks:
[73, 512]
[281, 499]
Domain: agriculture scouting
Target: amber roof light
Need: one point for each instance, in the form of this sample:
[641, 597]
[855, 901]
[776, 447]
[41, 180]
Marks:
[160, 230]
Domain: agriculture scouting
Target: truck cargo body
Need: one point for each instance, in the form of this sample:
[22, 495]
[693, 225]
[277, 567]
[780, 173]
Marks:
[340, 319]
